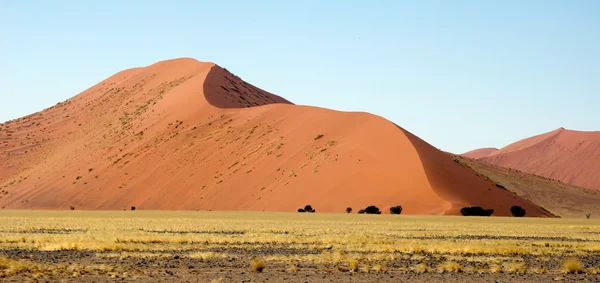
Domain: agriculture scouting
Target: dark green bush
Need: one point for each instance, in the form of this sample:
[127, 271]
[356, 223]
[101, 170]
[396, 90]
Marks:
[308, 208]
[396, 209]
[517, 211]
[372, 210]
[476, 211]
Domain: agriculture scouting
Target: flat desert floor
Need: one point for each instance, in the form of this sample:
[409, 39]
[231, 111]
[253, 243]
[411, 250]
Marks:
[193, 246]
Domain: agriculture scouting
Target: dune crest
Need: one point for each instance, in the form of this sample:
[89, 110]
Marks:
[181, 134]
[479, 153]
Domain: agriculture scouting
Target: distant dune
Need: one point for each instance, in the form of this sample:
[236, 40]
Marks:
[572, 157]
[181, 134]
[479, 153]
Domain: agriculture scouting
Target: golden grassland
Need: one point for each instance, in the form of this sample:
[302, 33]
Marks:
[350, 242]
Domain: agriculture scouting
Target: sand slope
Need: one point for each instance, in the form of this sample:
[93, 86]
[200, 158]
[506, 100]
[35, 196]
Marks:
[560, 198]
[181, 134]
[569, 156]
[479, 153]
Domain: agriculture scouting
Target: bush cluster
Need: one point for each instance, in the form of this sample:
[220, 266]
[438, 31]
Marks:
[370, 210]
[476, 211]
[307, 208]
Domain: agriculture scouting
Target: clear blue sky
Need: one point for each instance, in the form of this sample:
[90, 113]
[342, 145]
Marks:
[459, 74]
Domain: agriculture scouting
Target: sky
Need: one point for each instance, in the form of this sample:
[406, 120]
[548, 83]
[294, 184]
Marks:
[459, 74]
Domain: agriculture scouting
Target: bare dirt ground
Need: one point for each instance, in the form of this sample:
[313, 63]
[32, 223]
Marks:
[238, 269]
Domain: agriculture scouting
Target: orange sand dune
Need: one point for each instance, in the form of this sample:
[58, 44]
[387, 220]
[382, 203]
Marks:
[182, 134]
[479, 153]
[572, 157]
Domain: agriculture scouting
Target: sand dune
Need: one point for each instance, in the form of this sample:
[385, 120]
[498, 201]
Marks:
[479, 153]
[181, 134]
[570, 156]
[560, 198]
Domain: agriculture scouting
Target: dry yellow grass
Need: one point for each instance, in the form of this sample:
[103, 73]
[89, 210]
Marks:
[379, 268]
[450, 266]
[353, 265]
[495, 268]
[516, 267]
[10, 267]
[293, 269]
[423, 243]
[572, 266]
[257, 265]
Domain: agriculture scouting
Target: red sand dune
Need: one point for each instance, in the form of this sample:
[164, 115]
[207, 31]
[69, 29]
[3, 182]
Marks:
[479, 153]
[572, 157]
[181, 134]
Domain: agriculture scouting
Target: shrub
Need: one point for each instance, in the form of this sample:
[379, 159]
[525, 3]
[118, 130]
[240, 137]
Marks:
[348, 209]
[572, 266]
[72, 208]
[517, 211]
[133, 208]
[308, 208]
[362, 211]
[476, 211]
[301, 210]
[372, 210]
[258, 265]
[353, 265]
[396, 209]
[498, 185]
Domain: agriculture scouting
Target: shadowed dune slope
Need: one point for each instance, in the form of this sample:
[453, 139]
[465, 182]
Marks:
[572, 157]
[181, 134]
[557, 197]
[479, 153]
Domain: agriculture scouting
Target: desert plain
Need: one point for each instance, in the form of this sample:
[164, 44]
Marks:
[197, 246]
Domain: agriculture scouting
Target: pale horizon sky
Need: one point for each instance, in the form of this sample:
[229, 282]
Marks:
[459, 74]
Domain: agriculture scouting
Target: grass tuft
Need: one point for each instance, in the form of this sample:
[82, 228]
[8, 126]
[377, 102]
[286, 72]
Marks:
[495, 269]
[517, 267]
[572, 265]
[450, 266]
[379, 268]
[420, 268]
[353, 265]
[258, 265]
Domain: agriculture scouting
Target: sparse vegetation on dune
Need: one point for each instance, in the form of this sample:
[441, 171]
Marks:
[557, 197]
